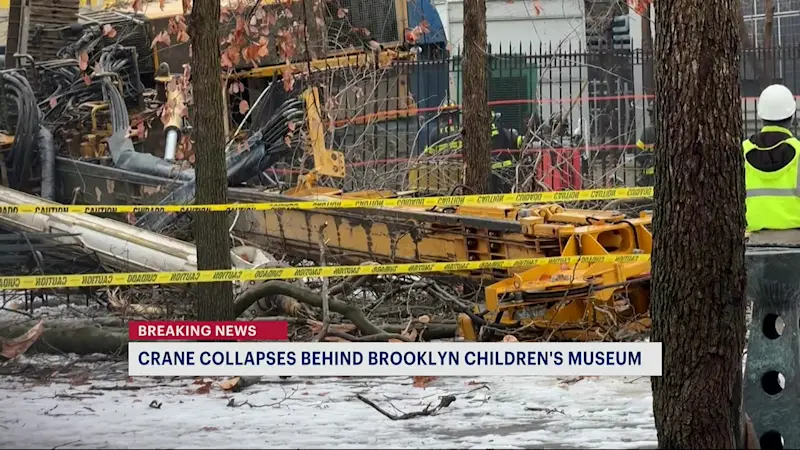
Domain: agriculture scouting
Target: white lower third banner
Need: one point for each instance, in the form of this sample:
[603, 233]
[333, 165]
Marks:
[393, 359]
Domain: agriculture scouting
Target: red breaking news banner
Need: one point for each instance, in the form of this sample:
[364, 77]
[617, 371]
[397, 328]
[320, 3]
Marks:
[208, 331]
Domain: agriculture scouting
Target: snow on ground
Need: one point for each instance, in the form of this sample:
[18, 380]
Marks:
[109, 410]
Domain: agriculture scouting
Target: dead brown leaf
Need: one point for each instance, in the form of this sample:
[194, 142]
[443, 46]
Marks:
[230, 384]
[12, 348]
[422, 382]
[348, 328]
[81, 379]
[83, 61]
[204, 389]
[109, 31]
[571, 381]
[289, 305]
[411, 335]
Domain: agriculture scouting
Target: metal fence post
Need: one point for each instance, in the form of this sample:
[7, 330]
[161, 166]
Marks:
[772, 373]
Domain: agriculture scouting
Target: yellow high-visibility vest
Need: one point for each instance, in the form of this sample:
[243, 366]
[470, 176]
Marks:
[501, 164]
[648, 148]
[773, 198]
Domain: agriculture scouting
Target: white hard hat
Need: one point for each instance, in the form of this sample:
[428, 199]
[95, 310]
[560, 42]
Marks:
[776, 103]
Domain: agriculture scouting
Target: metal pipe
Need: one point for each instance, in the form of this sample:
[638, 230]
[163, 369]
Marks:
[171, 147]
[173, 127]
[119, 246]
[47, 153]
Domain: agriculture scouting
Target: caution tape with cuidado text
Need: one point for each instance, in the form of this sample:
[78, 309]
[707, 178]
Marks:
[491, 199]
[210, 276]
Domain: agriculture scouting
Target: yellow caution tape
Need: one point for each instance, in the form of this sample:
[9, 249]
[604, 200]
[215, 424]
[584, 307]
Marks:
[492, 199]
[209, 276]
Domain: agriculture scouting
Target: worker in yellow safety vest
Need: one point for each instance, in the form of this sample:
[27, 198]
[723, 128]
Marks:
[771, 164]
[646, 143]
[448, 137]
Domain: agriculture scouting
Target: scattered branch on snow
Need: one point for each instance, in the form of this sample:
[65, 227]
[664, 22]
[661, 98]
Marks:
[444, 402]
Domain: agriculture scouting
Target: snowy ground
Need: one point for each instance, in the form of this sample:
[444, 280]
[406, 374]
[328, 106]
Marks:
[98, 406]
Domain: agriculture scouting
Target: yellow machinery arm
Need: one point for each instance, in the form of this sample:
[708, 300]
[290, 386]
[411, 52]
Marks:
[580, 301]
[583, 301]
[326, 162]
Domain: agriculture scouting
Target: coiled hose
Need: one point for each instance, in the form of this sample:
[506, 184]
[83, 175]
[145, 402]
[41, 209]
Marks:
[265, 147]
[23, 151]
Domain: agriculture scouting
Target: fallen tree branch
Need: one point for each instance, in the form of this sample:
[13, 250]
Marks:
[349, 285]
[102, 322]
[383, 337]
[324, 294]
[68, 336]
[20, 344]
[436, 290]
[444, 402]
[351, 313]
[90, 336]
[421, 284]
[427, 332]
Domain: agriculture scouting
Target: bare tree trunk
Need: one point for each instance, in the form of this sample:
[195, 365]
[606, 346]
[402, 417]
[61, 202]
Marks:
[648, 77]
[769, 52]
[477, 123]
[698, 298]
[749, 48]
[215, 300]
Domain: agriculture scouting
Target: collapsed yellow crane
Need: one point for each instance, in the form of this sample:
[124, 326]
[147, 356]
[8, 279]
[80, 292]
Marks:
[565, 301]
[585, 301]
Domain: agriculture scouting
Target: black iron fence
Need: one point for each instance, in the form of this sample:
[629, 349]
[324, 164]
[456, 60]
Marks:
[578, 114]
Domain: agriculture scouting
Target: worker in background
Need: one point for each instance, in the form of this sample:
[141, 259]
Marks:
[646, 143]
[448, 137]
[771, 164]
[445, 137]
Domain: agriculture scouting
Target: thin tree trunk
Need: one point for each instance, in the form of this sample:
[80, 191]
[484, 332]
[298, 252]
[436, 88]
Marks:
[648, 78]
[750, 51]
[769, 52]
[215, 300]
[698, 298]
[477, 123]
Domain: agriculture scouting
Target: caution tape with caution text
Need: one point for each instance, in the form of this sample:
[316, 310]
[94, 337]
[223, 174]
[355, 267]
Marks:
[210, 276]
[491, 199]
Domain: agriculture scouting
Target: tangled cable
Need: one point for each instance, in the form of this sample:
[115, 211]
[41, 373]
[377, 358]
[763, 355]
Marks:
[65, 87]
[23, 152]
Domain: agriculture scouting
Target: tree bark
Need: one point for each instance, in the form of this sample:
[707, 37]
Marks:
[750, 52]
[648, 76]
[698, 298]
[769, 52]
[477, 140]
[215, 300]
[80, 337]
